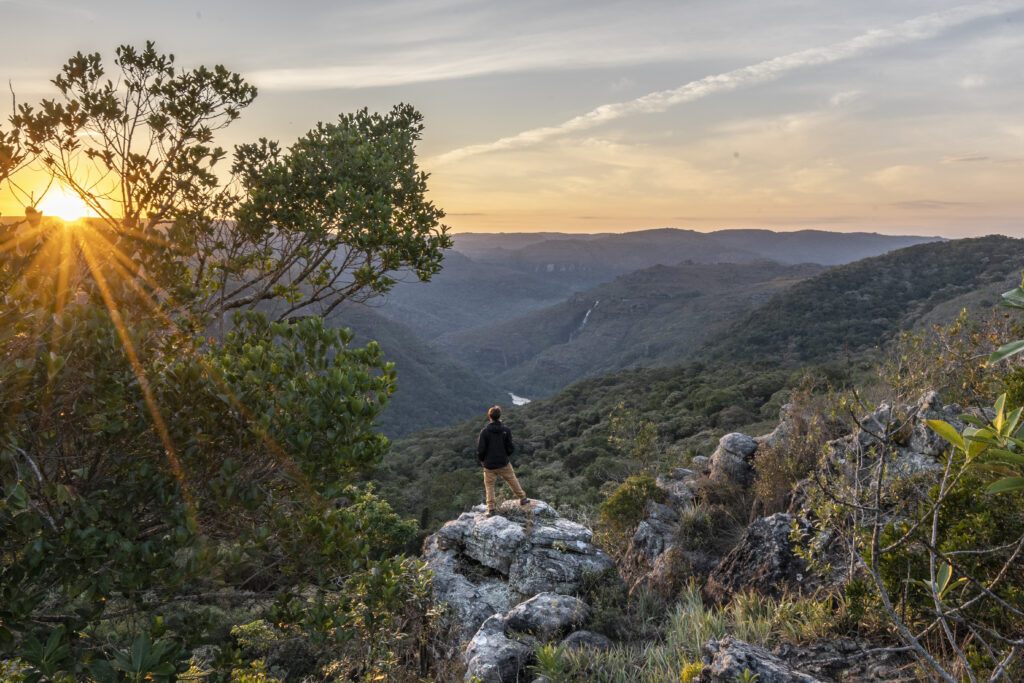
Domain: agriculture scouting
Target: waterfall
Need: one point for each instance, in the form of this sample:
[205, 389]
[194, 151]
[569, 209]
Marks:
[583, 323]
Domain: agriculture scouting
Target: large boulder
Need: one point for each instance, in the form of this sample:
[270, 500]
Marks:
[731, 461]
[731, 659]
[547, 615]
[493, 657]
[486, 565]
[764, 561]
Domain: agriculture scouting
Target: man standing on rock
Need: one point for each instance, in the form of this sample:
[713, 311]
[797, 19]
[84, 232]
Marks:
[493, 449]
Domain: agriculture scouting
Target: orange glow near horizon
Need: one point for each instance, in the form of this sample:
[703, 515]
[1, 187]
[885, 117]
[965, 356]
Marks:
[65, 205]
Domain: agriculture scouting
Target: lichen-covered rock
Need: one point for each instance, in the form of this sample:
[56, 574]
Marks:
[845, 659]
[731, 659]
[555, 569]
[656, 532]
[678, 487]
[579, 640]
[494, 542]
[493, 657]
[922, 439]
[547, 615]
[764, 561]
[730, 463]
[471, 599]
[796, 422]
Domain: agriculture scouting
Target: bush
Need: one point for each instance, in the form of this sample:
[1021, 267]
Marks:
[624, 508]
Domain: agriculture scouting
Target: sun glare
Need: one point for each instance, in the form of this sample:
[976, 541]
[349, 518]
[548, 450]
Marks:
[64, 205]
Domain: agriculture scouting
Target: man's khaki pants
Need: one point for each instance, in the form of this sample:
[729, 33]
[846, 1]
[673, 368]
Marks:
[506, 473]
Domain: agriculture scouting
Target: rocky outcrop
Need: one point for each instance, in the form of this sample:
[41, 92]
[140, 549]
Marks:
[485, 565]
[899, 433]
[764, 561]
[508, 581]
[731, 659]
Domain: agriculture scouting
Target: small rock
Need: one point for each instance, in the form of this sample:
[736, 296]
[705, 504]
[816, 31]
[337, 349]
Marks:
[656, 533]
[738, 444]
[578, 640]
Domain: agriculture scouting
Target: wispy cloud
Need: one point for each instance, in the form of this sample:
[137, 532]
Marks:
[965, 158]
[930, 205]
[478, 59]
[917, 29]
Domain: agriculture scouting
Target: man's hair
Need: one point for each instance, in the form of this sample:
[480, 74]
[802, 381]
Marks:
[494, 413]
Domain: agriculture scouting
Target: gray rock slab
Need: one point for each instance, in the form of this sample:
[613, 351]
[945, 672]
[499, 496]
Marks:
[493, 657]
[727, 660]
[547, 615]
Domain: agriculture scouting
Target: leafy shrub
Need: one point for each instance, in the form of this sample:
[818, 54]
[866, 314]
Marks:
[624, 508]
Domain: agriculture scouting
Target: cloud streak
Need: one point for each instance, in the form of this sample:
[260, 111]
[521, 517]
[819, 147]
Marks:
[912, 30]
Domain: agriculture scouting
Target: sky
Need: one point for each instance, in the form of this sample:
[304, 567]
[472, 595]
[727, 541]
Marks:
[894, 116]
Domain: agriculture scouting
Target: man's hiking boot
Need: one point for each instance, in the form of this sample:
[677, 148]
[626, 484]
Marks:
[524, 501]
[490, 513]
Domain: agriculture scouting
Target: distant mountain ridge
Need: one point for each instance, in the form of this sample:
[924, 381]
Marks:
[628, 251]
[489, 278]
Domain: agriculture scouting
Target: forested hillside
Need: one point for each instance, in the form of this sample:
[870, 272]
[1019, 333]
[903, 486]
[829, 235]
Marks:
[656, 316]
[431, 388]
[864, 304]
[740, 383]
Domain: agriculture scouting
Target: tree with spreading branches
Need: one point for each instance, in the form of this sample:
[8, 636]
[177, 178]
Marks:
[149, 469]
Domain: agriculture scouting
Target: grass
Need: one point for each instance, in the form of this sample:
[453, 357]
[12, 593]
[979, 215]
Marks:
[676, 655]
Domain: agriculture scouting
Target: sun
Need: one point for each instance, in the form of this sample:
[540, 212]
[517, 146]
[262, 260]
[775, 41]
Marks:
[64, 205]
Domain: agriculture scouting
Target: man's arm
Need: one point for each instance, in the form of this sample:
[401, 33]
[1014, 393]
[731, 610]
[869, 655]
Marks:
[510, 447]
[481, 446]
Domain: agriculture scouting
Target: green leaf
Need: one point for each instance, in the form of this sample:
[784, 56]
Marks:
[1011, 421]
[1007, 350]
[947, 432]
[1004, 455]
[1006, 485]
[1013, 298]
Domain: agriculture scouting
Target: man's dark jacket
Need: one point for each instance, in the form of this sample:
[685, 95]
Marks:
[494, 446]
